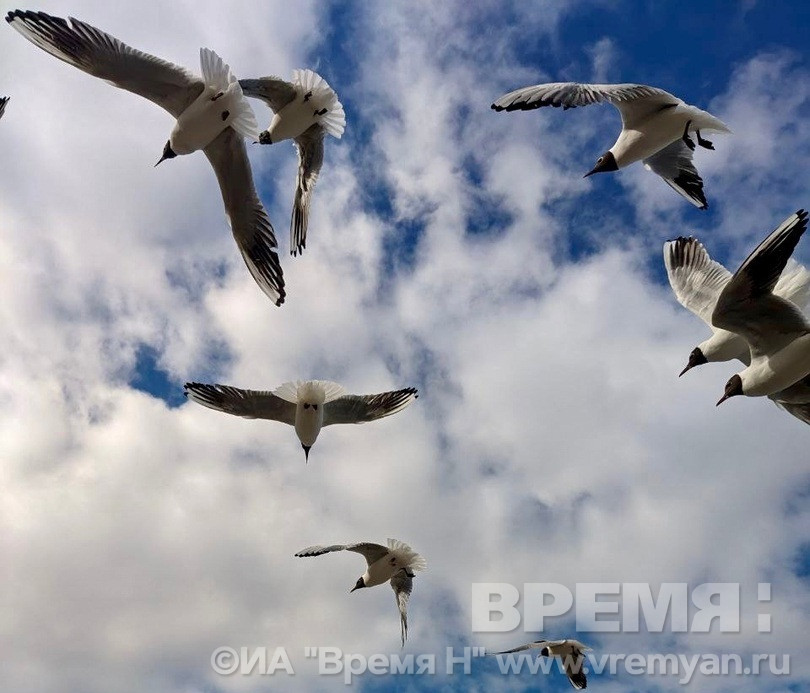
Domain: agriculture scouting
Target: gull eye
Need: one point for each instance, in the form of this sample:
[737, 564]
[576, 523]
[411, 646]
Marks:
[600, 160]
[315, 407]
[306, 405]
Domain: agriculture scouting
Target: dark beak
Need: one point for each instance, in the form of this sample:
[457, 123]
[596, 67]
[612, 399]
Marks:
[306, 451]
[353, 589]
[688, 367]
[722, 399]
[607, 162]
[168, 153]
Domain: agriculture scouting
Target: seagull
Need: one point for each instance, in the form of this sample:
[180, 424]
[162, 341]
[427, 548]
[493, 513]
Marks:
[306, 109]
[697, 281]
[570, 651]
[308, 405]
[395, 563]
[777, 332]
[212, 114]
[655, 128]
[3, 101]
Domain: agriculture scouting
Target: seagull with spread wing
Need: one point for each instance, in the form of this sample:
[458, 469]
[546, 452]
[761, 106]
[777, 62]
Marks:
[571, 652]
[655, 128]
[308, 405]
[697, 282]
[395, 564]
[212, 114]
[777, 332]
[306, 110]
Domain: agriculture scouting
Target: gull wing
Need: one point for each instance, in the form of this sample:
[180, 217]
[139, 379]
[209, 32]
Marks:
[695, 278]
[274, 91]
[310, 160]
[674, 164]
[402, 584]
[362, 408]
[747, 305]
[101, 55]
[251, 404]
[800, 411]
[536, 645]
[635, 102]
[573, 665]
[371, 552]
[249, 222]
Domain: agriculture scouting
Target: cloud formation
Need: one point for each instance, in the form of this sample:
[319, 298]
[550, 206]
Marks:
[450, 248]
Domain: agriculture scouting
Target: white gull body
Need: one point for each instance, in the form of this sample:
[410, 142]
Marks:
[306, 110]
[777, 332]
[655, 128]
[395, 563]
[572, 653]
[308, 405]
[211, 115]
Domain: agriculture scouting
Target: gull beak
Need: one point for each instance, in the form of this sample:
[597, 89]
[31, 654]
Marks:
[168, 153]
[722, 399]
[688, 366]
[306, 452]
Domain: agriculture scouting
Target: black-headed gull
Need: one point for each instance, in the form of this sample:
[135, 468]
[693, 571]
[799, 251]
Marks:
[697, 281]
[306, 109]
[570, 651]
[212, 114]
[3, 101]
[394, 563]
[777, 332]
[655, 128]
[308, 405]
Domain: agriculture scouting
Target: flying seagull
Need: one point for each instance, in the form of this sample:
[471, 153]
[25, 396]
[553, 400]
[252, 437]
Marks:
[395, 563]
[655, 128]
[570, 651]
[306, 109]
[3, 101]
[776, 331]
[212, 114]
[697, 281]
[308, 405]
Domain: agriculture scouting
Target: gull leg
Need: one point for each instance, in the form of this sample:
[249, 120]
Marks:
[703, 143]
[688, 140]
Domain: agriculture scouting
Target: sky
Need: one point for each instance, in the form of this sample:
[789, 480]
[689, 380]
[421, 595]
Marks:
[450, 248]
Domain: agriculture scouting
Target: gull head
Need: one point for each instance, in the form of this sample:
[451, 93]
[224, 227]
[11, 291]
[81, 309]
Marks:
[168, 153]
[359, 584]
[265, 138]
[606, 162]
[696, 358]
[734, 386]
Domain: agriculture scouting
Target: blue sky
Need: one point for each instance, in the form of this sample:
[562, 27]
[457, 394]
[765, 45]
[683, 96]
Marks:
[450, 248]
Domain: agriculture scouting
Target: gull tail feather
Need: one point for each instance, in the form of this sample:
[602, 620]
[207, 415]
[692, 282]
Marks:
[334, 120]
[413, 560]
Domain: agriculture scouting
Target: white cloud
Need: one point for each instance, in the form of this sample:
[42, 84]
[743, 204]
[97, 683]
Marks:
[552, 440]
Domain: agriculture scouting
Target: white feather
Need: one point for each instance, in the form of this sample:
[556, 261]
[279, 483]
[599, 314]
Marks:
[334, 120]
[412, 559]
